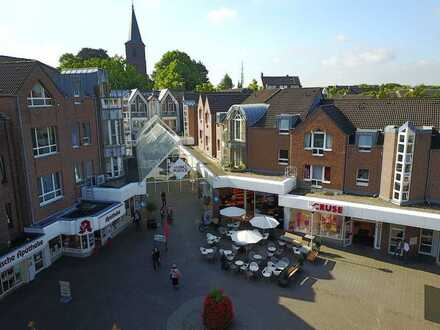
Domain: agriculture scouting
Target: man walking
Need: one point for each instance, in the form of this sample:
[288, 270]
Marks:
[156, 258]
[175, 275]
[166, 233]
[406, 248]
[163, 208]
[398, 249]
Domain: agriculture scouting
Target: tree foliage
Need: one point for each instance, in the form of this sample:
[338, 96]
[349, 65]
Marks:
[177, 70]
[388, 90]
[205, 88]
[253, 85]
[121, 75]
[225, 83]
[88, 53]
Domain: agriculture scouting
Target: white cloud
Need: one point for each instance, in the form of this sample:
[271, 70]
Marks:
[358, 58]
[221, 15]
[341, 38]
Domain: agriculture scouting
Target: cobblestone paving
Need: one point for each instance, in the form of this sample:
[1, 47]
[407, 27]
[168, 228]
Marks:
[342, 291]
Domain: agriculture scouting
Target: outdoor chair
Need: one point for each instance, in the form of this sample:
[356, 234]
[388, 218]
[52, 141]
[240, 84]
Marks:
[235, 248]
[222, 231]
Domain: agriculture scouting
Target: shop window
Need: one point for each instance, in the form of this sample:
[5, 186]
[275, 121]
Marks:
[87, 134]
[9, 278]
[300, 222]
[397, 234]
[8, 211]
[38, 261]
[330, 226]
[426, 241]
[283, 157]
[362, 177]
[55, 246]
[71, 242]
[365, 142]
[49, 188]
[44, 141]
[39, 97]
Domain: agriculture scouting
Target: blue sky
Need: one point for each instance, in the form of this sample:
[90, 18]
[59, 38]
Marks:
[324, 42]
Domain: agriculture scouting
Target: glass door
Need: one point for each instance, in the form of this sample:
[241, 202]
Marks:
[397, 234]
[348, 232]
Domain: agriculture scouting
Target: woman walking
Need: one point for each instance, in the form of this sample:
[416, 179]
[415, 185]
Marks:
[155, 255]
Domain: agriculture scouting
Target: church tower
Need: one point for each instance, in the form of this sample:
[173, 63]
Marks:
[134, 47]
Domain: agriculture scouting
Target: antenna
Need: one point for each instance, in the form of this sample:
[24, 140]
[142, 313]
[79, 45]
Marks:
[242, 74]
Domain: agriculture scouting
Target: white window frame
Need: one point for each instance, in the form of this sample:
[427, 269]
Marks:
[52, 145]
[57, 192]
[78, 172]
[115, 162]
[316, 183]
[47, 101]
[282, 131]
[399, 228]
[117, 126]
[318, 151]
[86, 139]
[283, 161]
[404, 161]
[360, 181]
[420, 242]
[238, 120]
[364, 147]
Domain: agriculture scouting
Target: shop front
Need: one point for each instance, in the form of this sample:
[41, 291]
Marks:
[22, 264]
[378, 227]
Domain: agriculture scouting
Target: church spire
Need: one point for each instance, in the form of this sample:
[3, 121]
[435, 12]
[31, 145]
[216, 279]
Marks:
[134, 34]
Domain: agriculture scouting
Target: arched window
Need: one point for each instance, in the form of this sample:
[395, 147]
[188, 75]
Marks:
[39, 97]
[238, 129]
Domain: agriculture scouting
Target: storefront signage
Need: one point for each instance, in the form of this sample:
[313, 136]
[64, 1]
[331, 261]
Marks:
[20, 253]
[113, 216]
[179, 169]
[85, 227]
[324, 207]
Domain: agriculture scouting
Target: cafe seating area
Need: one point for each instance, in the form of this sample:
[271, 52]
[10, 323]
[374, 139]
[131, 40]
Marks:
[273, 256]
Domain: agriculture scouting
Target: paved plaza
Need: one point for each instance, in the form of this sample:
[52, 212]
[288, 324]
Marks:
[118, 285]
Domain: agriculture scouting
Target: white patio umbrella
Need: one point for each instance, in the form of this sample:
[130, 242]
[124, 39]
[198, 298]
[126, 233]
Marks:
[264, 222]
[232, 211]
[245, 237]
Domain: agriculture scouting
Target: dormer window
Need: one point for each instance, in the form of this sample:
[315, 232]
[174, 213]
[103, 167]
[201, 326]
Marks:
[318, 142]
[365, 142]
[39, 97]
[238, 128]
[284, 127]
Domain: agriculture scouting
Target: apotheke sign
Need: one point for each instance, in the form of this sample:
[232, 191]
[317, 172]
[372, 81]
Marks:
[21, 253]
[324, 207]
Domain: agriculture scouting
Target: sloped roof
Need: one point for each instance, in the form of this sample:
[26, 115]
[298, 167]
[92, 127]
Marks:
[253, 112]
[280, 80]
[261, 96]
[221, 102]
[371, 113]
[134, 34]
[13, 75]
[338, 118]
[289, 101]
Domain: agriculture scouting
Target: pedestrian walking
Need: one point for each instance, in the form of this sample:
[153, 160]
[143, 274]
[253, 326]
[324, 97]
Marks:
[155, 255]
[398, 249]
[175, 276]
[166, 233]
[163, 208]
[137, 219]
[405, 250]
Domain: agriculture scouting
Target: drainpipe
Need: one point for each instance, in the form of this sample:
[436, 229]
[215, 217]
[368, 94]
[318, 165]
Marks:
[25, 158]
[428, 177]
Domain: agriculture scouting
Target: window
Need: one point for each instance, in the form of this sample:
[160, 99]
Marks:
[49, 188]
[206, 119]
[114, 132]
[283, 157]
[88, 168]
[201, 135]
[39, 97]
[207, 142]
[365, 142]
[78, 172]
[328, 142]
[44, 141]
[318, 142]
[284, 127]
[426, 241]
[362, 177]
[75, 136]
[8, 212]
[218, 144]
[114, 167]
[317, 175]
[238, 128]
[87, 134]
[38, 261]
[307, 141]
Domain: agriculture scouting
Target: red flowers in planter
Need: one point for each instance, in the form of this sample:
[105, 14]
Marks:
[218, 311]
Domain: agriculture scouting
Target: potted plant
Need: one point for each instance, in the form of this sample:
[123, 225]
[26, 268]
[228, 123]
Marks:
[218, 311]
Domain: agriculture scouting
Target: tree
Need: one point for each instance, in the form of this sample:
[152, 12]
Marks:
[225, 83]
[254, 85]
[121, 75]
[177, 70]
[205, 87]
[88, 53]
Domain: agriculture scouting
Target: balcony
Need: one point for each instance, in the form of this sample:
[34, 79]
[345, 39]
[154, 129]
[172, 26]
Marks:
[114, 151]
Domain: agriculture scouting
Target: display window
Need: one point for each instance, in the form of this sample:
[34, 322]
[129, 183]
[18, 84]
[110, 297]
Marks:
[10, 278]
[38, 261]
[55, 246]
[78, 242]
[330, 225]
[426, 241]
[300, 221]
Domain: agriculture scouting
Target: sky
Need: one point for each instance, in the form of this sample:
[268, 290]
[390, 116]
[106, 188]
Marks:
[322, 42]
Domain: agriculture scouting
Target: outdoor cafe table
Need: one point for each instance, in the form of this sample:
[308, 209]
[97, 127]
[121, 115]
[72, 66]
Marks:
[281, 264]
[227, 252]
[257, 257]
[253, 267]
[271, 248]
[239, 263]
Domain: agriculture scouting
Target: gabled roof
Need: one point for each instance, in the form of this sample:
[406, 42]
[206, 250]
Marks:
[13, 75]
[221, 102]
[280, 80]
[134, 34]
[295, 101]
[252, 112]
[338, 118]
[261, 96]
[374, 113]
